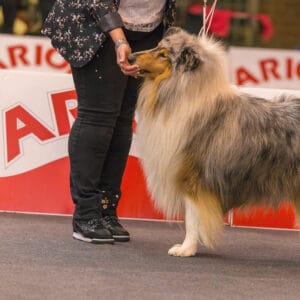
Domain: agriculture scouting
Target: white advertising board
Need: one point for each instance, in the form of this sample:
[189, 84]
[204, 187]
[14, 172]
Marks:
[268, 68]
[30, 53]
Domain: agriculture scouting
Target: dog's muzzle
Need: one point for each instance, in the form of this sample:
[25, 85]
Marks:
[131, 59]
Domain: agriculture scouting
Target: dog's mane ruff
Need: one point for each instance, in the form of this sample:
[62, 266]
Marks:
[206, 82]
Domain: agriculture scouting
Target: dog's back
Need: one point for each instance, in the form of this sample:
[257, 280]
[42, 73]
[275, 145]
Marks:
[254, 150]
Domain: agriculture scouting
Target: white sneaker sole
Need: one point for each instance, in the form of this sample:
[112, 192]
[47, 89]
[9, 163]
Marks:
[80, 237]
[121, 238]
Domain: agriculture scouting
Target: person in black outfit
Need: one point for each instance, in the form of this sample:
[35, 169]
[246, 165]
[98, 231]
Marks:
[93, 38]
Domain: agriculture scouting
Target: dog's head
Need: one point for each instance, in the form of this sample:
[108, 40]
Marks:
[177, 50]
[180, 52]
[152, 63]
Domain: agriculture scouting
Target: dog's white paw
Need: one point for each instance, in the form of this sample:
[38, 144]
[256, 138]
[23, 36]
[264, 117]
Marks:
[182, 250]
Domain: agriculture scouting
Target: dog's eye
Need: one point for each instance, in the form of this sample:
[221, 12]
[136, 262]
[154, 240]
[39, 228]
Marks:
[162, 54]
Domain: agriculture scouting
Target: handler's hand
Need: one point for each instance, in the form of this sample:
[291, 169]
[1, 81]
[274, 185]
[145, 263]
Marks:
[123, 51]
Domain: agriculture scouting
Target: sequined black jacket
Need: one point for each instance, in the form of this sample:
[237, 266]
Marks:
[77, 28]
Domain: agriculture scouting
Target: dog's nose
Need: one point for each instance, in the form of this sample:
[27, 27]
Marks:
[131, 59]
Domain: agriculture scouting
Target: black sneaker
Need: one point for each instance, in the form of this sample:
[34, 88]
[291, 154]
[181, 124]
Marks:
[91, 230]
[116, 229]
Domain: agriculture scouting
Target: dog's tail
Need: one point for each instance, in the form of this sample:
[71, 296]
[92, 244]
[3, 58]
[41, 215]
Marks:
[210, 216]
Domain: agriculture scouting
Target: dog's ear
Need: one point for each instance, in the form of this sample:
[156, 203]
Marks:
[188, 59]
[172, 30]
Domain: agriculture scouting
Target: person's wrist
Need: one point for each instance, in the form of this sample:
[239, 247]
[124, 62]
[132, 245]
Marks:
[120, 42]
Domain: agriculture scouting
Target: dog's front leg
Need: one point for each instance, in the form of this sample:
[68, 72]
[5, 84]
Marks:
[189, 245]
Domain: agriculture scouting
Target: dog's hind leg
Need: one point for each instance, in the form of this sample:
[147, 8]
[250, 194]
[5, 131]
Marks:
[189, 245]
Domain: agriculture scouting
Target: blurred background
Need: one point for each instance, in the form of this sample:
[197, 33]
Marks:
[251, 23]
[23, 16]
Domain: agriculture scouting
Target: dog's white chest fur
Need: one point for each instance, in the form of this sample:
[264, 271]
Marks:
[160, 138]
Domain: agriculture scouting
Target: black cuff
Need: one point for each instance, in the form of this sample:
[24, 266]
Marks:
[109, 22]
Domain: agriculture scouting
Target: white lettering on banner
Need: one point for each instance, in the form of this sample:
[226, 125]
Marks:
[264, 67]
[30, 53]
[35, 120]
[64, 112]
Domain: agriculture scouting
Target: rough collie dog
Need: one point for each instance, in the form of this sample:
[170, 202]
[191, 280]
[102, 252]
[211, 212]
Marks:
[207, 147]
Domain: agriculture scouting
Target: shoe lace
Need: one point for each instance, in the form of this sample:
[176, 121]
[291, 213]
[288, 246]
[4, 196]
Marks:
[95, 222]
[111, 220]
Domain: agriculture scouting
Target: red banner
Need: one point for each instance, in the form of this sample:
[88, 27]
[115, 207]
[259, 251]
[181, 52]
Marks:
[35, 121]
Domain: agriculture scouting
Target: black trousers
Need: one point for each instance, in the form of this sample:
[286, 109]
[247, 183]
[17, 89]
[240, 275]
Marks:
[101, 135]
